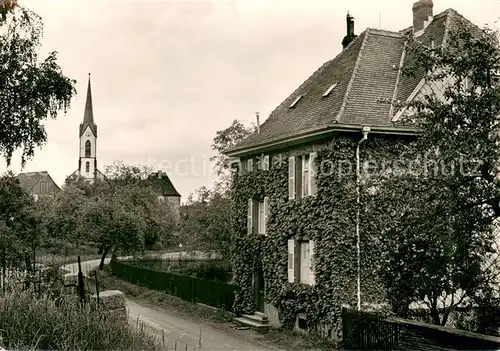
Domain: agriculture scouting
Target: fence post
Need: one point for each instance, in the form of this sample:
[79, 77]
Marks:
[344, 328]
[81, 288]
[96, 288]
[3, 269]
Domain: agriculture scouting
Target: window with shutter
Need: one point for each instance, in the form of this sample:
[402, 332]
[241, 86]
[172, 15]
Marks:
[291, 261]
[249, 216]
[291, 178]
[265, 162]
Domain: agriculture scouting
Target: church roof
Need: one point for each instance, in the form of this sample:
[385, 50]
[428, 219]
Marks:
[88, 116]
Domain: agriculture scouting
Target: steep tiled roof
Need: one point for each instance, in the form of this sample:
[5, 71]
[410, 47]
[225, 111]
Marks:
[28, 180]
[368, 78]
[161, 183]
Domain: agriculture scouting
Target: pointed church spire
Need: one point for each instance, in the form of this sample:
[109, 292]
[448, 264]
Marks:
[88, 117]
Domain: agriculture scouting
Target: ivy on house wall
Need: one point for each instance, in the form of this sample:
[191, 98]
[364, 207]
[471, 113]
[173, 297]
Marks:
[328, 218]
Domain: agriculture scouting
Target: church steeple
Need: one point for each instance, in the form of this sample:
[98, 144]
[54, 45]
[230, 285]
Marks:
[88, 117]
[87, 160]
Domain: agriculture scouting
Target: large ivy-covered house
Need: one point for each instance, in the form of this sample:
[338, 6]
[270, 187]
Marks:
[295, 195]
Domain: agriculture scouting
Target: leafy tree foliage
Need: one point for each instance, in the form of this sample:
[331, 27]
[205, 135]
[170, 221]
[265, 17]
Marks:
[205, 222]
[21, 230]
[224, 139]
[30, 89]
[120, 214]
[205, 219]
[435, 220]
[61, 215]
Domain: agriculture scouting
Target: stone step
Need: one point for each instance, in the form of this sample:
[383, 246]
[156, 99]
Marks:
[257, 318]
[251, 323]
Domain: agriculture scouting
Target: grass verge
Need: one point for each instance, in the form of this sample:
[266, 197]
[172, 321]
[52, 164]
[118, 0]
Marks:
[40, 323]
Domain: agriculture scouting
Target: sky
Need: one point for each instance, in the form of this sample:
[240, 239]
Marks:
[167, 75]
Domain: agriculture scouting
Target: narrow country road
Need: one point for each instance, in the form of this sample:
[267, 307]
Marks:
[185, 332]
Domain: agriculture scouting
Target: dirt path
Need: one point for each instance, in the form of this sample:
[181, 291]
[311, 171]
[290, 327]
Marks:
[187, 332]
[175, 329]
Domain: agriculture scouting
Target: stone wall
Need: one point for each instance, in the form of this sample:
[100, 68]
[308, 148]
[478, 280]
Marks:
[111, 302]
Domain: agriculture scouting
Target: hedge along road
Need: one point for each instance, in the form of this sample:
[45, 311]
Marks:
[175, 328]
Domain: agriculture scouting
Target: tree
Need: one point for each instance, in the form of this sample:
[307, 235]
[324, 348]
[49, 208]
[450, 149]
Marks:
[121, 214]
[435, 223]
[205, 222]
[62, 214]
[110, 223]
[6, 6]
[205, 219]
[224, 139]
[159, 217]
[20, 227]
[30, 90]
[121, 173]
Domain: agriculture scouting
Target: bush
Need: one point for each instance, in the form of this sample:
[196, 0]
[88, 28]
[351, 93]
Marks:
[39, 323]
[219, 271]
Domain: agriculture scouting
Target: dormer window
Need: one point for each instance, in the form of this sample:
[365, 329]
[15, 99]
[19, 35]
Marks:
[294, 103]
[330, 89]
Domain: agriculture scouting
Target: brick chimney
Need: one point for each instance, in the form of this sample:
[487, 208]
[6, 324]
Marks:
[422, 14]
[350, 31]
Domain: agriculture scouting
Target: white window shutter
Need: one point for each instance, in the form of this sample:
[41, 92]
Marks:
[291, 261]
[249, 218]
[265, 165]
[312, 263]
[313, 171]
[291, 178]
[266, 213]
[305, 173]
[250, 164]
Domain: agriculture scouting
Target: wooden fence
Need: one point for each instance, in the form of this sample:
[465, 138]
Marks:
[369, 331]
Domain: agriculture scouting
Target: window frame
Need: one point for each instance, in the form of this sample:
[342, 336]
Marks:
[88, 148]
[295, 262]
[302, 176]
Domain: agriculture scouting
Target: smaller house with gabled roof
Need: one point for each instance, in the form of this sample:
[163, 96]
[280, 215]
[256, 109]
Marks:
[38, 184]
[165, 189]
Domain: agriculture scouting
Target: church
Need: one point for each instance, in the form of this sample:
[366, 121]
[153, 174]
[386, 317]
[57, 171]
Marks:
[41, 184]
[87, 160]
